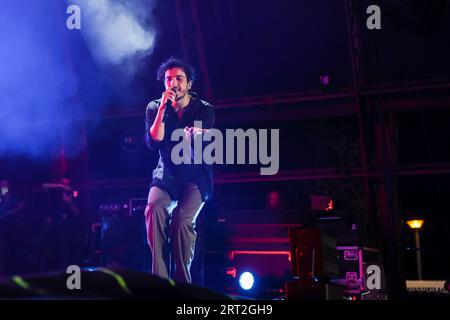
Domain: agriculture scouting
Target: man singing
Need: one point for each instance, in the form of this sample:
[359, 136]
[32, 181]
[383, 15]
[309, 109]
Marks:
[178, 191]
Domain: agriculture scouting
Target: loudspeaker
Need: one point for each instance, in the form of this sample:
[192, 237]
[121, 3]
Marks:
[123, 243]
[313, 253]
[307, 289]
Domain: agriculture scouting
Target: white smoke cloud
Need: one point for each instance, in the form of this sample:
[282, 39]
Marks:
[36, 84]
[44, 96]
[117, 32]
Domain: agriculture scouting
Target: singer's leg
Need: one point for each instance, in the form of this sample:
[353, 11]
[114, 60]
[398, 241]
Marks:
[157, 223]
[182, 231]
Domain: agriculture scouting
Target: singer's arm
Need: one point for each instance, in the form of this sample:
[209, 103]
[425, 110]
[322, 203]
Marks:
[157, 128]
[154, 127]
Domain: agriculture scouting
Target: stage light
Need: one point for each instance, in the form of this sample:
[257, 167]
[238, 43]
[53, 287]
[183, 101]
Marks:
[246, 280]
[231, 271]
[131, 141]
[415, 224]
[321, 203]
[274, 200]
[4, 187]
[90, 269]
[325, 80]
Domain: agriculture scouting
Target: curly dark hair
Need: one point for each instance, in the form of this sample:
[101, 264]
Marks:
[176, 63]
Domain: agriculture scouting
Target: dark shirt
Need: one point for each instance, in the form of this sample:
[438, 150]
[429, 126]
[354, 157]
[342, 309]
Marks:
[167, 175]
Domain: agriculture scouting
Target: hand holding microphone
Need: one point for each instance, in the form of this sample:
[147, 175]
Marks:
[169, 95]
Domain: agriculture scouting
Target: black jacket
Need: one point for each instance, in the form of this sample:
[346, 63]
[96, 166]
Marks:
[167, 175]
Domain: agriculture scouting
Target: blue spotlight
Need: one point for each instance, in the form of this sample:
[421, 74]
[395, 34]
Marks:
[246, 280]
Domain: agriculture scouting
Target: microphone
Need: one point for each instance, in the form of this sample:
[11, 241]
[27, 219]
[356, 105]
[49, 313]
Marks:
[168, 105]
[175, 91]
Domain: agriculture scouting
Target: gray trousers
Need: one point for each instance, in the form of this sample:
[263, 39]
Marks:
[171, 230]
